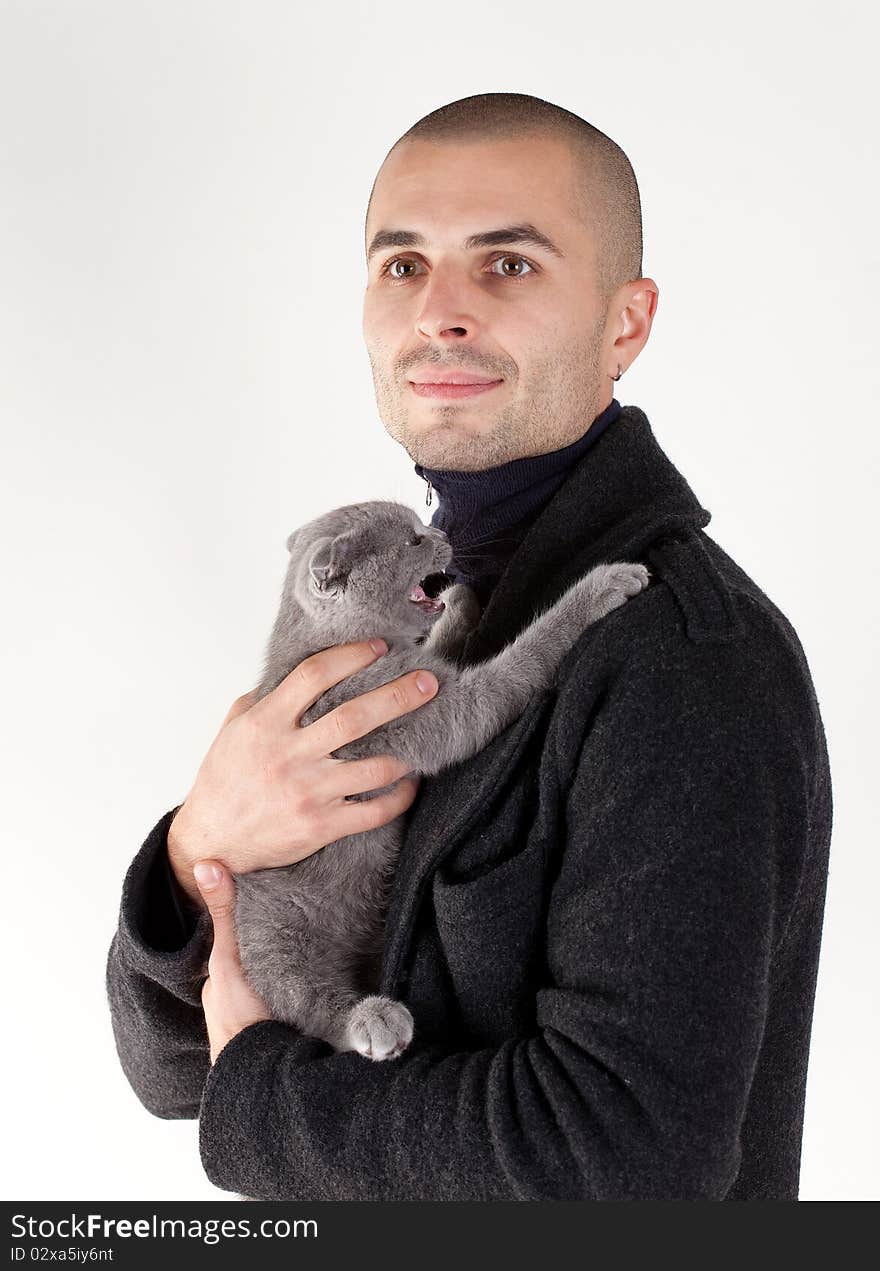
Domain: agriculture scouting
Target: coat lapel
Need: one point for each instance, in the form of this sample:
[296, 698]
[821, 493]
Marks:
[621, 497]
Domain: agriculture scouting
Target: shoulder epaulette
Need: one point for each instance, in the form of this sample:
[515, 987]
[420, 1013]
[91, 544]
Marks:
[702, 593]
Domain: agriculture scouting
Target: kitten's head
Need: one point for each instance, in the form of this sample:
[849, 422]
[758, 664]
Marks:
[364, 570]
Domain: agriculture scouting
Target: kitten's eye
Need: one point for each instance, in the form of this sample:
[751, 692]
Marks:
[415, 540]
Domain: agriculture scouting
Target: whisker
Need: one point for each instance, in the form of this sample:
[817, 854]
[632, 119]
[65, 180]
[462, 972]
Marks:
[480, 549]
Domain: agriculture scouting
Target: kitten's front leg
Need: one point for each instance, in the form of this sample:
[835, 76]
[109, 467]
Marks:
[475, 703]
[452, 628]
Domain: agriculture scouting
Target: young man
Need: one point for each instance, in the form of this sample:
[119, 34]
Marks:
[607, 925]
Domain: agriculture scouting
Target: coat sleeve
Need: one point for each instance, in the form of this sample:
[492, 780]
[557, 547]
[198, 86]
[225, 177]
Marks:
[155, 968]
[684, 831]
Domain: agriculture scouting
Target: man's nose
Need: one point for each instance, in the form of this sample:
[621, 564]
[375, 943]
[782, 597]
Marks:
[448, 311]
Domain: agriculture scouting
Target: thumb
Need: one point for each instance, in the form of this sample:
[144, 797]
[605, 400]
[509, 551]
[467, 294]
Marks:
[217, 887]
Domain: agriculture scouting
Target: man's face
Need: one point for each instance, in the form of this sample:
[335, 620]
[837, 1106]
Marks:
[512, 312]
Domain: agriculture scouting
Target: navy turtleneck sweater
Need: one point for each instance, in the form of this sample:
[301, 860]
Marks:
[486, 514]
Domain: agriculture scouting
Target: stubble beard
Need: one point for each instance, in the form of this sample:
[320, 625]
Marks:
[557, 411]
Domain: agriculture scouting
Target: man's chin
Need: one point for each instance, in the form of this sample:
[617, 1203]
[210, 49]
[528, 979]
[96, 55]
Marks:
[447, 440]
[458, 454]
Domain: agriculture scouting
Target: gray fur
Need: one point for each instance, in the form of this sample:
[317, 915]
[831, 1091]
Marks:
[311, 933]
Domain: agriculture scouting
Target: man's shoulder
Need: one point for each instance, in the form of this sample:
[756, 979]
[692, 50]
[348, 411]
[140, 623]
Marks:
[702, 628]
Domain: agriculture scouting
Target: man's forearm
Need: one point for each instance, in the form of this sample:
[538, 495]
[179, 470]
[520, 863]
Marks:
[156, 965]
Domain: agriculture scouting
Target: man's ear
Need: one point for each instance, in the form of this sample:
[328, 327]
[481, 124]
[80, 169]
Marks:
[330, 564]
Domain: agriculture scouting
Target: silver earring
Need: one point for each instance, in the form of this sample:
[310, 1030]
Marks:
[617, 376]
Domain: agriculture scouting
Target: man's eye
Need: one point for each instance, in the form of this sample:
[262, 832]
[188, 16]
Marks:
[522, 260]
[388, 267]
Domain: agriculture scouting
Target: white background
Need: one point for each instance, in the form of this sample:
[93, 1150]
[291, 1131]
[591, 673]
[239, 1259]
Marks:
[183, 381]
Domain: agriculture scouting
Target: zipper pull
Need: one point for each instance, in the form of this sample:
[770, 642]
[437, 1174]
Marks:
[428, 495]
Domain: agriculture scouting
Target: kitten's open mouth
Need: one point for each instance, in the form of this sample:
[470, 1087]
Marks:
[426, 593]
[426, 603]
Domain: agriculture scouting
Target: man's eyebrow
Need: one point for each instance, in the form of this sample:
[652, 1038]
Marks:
[519, 234]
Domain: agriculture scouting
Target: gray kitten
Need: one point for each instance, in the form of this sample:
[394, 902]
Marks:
[311, 933]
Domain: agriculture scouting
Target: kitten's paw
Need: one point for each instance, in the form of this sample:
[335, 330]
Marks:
[379, 1028]
[462, 599]
[622, 580]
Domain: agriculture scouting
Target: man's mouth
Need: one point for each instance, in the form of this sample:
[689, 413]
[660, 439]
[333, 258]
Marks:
[452, 390]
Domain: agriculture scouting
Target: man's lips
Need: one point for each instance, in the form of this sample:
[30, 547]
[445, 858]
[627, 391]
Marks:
[446, 389]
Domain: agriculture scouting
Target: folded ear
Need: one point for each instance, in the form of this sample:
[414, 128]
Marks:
[330, 564]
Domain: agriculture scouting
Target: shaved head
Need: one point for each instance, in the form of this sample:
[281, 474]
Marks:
[605, 187]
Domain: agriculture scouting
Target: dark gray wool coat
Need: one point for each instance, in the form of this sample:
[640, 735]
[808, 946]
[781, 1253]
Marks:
[606, 925]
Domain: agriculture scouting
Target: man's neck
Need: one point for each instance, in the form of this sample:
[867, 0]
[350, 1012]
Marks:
[485, 514]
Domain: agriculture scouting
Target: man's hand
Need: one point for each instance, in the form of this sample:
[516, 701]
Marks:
[269, 791]
[228, 1000]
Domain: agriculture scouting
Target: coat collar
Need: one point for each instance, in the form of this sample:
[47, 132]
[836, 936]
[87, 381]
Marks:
[623, 494]
[622, 497]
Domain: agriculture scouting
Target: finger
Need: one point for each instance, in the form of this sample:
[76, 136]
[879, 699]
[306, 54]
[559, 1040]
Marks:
[302, 687]
[217, 888]
[360, 715]
[354, 818]
[239, 706]
[355, 776]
